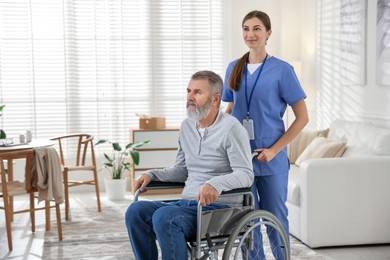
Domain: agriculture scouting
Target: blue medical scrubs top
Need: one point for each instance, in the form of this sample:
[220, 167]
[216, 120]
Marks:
[277, 87]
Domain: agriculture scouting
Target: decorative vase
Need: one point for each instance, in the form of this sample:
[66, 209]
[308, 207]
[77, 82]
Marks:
[115, 188]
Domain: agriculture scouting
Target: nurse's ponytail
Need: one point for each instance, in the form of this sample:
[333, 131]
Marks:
[238, 72]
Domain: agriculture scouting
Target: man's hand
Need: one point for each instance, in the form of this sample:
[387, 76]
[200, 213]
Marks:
[142, 182]
[207, 195]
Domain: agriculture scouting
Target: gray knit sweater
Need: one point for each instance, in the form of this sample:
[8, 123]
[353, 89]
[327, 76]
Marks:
[221, 158]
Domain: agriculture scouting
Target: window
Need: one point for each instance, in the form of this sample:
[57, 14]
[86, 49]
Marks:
[342, 42]
[89, 65]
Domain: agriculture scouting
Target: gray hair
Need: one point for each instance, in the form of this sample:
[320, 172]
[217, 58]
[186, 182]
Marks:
[215, 81]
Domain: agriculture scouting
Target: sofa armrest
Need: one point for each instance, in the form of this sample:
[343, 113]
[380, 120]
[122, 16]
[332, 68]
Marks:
[343, 198]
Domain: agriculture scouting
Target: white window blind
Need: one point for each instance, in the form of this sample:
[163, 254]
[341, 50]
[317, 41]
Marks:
[342, 42]
[71, 66]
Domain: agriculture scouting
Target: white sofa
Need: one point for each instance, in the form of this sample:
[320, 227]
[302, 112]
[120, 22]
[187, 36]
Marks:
[344, 200]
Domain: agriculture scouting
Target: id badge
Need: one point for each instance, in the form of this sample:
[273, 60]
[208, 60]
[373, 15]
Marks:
[248, 125]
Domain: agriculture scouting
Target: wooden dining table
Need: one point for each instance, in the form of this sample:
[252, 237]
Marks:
[35, 143]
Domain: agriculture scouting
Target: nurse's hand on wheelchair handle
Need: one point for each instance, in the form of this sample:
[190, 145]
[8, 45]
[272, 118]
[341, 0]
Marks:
[207, 195]
[264, 154]
[142, 182]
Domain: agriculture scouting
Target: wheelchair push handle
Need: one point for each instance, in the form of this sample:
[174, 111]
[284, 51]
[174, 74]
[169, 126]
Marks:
[255, 154]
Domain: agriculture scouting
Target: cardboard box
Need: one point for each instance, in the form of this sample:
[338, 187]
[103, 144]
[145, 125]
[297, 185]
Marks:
[152, 123]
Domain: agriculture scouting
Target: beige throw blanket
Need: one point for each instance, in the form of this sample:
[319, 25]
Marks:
[48, 169]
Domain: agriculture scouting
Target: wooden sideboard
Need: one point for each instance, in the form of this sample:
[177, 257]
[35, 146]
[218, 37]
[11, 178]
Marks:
[160, 153]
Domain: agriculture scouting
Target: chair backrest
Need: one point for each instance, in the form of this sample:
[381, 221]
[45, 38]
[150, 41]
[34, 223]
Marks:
[83, 144]
[9, 157]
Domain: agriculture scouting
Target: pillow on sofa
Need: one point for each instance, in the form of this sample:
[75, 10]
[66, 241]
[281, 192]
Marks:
[303, 139]
[322, 147]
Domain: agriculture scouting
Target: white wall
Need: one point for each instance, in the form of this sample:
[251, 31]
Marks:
[369, 102]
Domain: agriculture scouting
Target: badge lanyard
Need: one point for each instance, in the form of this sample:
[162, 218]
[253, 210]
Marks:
[247, 122]
[248, 102]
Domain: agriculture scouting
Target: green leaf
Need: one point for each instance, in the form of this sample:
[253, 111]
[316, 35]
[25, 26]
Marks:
[116, 147]
[2, 134]
[108, 165]
[135, 157]
[1, 107]
[102, 142]
[138, 144]
[126, 165]
[108, 158]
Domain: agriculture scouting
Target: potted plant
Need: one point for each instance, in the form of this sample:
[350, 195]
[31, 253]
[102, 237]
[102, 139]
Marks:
[2, 133]
[117, 163]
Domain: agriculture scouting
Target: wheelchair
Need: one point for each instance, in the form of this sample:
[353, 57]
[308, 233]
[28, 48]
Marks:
[230, 233]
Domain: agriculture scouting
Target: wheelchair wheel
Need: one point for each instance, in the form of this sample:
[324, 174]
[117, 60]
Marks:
[258, 235]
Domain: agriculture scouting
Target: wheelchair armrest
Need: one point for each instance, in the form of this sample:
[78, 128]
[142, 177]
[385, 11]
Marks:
[156, 185]
[236, 191]
[245, 192]
[160, 185]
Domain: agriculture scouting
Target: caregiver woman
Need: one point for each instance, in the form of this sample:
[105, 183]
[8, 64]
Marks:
[258, 87]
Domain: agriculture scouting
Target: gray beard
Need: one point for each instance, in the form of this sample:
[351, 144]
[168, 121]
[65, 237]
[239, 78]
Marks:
[200, 112]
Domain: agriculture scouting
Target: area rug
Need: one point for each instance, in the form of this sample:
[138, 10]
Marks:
[103, 235]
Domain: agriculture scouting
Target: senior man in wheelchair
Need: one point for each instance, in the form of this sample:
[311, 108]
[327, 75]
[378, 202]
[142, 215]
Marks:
[213, 156]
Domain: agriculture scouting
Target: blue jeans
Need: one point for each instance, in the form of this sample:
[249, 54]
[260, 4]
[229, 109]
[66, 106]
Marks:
[172, 223]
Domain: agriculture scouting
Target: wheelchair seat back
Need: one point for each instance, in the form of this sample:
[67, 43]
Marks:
[221, 221]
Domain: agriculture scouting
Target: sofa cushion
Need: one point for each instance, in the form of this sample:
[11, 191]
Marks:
[363, 139]
[322, 147]
[293, 190]
[303, 139]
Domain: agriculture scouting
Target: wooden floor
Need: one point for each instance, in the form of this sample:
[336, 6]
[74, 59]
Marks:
[30, 246]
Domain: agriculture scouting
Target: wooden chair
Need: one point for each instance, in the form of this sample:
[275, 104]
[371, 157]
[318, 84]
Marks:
[82, 144]
[10, 188]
